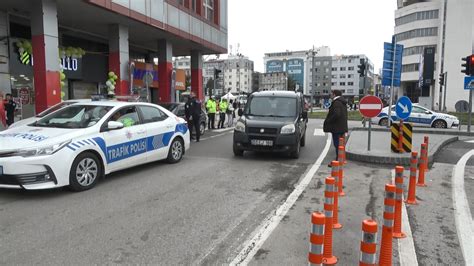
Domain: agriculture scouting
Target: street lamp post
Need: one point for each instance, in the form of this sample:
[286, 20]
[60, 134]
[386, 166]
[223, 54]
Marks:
[313, 52]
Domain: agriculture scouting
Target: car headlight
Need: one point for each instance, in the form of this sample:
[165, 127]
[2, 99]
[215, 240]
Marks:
[240, 126]
[288, 129]
[47, 150]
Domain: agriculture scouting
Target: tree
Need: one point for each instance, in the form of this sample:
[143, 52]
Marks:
[210, 86]
[291, 84]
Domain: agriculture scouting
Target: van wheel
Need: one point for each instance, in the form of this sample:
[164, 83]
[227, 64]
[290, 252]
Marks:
[85, 172]
[238, 152]
[303, 140]
[296, 153]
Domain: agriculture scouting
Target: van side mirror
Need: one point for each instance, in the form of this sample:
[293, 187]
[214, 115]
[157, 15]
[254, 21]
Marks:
[304, 115]
[240, 112]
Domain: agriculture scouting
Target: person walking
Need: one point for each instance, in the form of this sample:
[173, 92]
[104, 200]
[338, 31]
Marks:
[230, 114]
[10, 107]
[336, 119]
[211, 108]
[192, 111]
[3, 119]
[223, 106]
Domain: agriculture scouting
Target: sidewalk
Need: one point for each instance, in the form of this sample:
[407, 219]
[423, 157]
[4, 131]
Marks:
[380, 152]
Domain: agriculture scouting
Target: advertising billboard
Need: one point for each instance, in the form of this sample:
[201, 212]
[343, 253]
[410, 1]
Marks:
[274, 66]
[295, 70]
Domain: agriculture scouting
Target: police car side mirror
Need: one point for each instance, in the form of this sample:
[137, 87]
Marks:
[114, 125]
[427, 112]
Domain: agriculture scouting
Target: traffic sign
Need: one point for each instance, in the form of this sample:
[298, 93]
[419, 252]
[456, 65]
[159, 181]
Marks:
[392, 70]
[370, 106]
[403, 107]
[469, 83]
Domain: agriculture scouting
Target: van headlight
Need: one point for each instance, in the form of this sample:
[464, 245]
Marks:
[47, 150]
[288, 129]
[240, 126]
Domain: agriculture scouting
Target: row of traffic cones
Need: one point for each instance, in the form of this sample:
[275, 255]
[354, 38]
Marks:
[322, 224]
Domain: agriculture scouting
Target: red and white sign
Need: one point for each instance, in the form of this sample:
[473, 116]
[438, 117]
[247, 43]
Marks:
[370, 106]
[24, 94]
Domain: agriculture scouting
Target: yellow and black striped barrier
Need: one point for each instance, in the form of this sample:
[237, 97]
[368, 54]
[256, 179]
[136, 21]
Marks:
[401, 143]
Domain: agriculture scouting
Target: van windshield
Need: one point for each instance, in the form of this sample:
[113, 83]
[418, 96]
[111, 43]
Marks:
[271, 106]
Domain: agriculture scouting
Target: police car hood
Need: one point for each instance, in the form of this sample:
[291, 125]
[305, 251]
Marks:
[25, 137]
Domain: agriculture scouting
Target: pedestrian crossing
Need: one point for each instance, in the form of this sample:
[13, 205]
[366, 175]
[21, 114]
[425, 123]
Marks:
[319, 132]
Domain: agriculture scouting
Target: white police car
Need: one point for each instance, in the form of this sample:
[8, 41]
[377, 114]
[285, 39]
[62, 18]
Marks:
[420, 116]
[78, 144]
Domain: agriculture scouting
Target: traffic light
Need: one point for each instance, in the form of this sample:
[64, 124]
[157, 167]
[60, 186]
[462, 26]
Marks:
[468, 65]
[216, 73]
[361, 67]
[441, 79]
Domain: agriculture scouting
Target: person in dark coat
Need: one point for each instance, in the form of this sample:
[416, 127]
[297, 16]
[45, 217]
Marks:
[192, 111]
[10, 107]
[336, 120]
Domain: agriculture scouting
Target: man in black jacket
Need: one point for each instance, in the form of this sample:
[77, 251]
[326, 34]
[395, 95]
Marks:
[336, 120]
[10, 107]
[192, 111]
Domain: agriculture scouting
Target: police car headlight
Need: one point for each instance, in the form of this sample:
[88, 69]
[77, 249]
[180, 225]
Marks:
[48, 150]
[240, 126]
[288, 129]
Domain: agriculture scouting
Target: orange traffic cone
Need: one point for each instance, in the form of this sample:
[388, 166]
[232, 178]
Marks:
[422, 166]
[328, 257]
[340, 183]
[368, 245]
[412, 186]
[397, 228]
[315, 256]
[426, 140]
[342, 142]
[335, 174]
[385, 258]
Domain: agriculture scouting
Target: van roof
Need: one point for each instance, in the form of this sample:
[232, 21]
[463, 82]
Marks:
[291, 94]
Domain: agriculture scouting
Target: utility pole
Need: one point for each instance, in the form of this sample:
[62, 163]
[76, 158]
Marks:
[313, 78]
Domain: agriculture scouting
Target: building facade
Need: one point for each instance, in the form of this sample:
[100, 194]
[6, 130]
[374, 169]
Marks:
[445, 26]
[275, 81]
[295, 63]
[344, 75]
[92, 38]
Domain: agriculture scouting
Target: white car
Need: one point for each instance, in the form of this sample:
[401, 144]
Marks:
[420, 116]
[78, 144]
[46, 112]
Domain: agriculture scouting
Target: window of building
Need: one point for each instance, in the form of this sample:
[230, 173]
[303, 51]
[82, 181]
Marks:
[415, 50]
[342, 68]
[326, 70]
[317, 63]
[334, 76]
[333, 83]
[342, 76]
[410, 67]
[326, 63]
[209, 9]
[417, 33]
[349, 60]
[325, 84]
[325, 91]
[334, 68]
[350, 68]
[230, 82]
[350, 76]
[423, 15]
[350, 83]
[342, 84]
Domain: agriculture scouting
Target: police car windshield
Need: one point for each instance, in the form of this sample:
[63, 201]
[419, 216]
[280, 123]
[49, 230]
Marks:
[271, 106]
[74, 116]
[53, 109]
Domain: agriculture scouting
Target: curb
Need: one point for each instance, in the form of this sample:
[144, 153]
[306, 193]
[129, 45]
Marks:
[404, 161]
[423, 131]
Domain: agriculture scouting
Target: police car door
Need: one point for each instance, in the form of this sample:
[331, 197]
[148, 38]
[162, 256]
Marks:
[160, 129]
[126, 147]
[420, 116]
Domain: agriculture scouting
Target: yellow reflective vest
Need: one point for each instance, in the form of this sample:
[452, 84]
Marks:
[223, 106]
[211, 106]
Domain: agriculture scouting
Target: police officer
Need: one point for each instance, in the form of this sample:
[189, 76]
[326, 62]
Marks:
[211, 107]
[192, 111]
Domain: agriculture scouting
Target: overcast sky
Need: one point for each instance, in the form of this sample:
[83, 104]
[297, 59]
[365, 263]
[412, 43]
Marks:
[346, 26]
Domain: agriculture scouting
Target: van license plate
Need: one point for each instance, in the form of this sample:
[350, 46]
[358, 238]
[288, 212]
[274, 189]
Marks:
[260, 142]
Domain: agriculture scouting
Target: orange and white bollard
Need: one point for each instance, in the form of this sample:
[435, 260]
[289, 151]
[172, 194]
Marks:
[328, 257]
[335, 174]
[340, 183]
[411, 199]
[368, 245]
[342, 142]
[385, 258]
[426, 140]
[397, 227]
[422, 166]
[315, 256]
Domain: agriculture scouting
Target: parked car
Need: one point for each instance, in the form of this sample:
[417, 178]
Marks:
[420, 116]
[178, 110]
[273, 121]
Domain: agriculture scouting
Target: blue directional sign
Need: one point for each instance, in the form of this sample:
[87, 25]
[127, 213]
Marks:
[469, 83]
[327, 104]
[403, 107]
[392, 66]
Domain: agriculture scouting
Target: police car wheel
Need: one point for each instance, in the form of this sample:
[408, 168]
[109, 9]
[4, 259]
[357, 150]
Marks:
[383, 122]
[440, 124]
[176, 151]
[202, 128]
[85, 172]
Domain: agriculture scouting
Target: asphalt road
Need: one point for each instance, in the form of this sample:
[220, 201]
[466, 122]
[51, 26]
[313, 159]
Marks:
[199, 211]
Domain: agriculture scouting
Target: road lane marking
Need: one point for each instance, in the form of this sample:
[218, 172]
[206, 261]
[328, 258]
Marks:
[270, 223]
[462, 212]
[215, 136]
[406, 246]
[469, 141]
[319, 132]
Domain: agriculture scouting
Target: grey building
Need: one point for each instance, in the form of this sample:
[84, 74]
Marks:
[322, 77]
